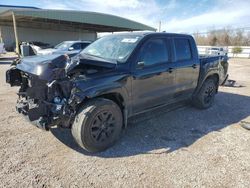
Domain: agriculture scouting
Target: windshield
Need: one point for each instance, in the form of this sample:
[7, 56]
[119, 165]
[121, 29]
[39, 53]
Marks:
[113, 47]
[64, 45]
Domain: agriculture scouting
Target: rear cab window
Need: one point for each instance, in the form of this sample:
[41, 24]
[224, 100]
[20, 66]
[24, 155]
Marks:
[182, 49]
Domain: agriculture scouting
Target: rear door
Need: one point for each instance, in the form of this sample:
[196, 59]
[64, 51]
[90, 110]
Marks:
[152, 82]
[186, 66]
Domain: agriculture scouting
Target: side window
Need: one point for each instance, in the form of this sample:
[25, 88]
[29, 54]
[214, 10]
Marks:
[183, 50]
[76, 46]
[84, 45]
[153, 52]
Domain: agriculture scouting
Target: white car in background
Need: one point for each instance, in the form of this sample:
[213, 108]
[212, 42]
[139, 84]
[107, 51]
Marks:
[217, 51]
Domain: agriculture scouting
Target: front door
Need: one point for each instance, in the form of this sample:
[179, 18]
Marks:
[152, 83]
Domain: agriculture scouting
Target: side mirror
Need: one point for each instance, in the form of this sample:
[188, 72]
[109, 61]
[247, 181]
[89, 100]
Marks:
[71, 48]
[140, 64]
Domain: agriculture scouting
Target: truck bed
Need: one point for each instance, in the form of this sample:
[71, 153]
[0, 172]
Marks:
[215, 60]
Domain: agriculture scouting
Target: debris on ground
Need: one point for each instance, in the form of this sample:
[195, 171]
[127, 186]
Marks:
[245, 125]
[231, 83]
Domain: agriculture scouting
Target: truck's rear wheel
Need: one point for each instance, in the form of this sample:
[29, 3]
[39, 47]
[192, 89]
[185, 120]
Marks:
[205, 98]
[97, 125]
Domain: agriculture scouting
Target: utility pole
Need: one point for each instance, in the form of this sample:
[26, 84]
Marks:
[159, 26]
[15, 31]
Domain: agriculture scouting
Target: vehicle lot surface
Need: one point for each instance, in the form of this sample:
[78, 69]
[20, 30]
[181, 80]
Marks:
[182, 148]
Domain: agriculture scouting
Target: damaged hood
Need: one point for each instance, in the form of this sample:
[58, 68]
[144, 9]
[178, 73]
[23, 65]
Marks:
[38, 64]
[84, 59]
[55, 66]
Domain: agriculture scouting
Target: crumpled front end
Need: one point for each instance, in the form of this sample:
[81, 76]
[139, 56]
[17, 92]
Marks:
[52, 87]
[43, 101]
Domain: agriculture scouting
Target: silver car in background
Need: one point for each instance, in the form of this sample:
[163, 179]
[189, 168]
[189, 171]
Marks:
[70, 48]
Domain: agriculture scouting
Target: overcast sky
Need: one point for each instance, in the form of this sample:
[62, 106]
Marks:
[176, 15]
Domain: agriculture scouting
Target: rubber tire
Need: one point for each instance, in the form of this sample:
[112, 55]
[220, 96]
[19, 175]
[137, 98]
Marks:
[198, 100]
[82, 124]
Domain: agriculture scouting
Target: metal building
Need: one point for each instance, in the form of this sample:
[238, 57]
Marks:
[53, 26]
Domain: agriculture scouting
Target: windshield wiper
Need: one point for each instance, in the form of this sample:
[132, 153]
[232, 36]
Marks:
[93, 55]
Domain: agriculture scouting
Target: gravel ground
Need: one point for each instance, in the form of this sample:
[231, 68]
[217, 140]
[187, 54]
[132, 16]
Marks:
[182, 148]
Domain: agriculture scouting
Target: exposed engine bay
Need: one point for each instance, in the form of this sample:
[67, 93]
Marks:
[48, 93]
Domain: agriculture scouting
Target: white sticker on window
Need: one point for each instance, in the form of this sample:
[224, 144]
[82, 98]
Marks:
[129, 40]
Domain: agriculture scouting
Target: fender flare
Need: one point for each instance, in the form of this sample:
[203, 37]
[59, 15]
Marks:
[82, 96]
[203, 79]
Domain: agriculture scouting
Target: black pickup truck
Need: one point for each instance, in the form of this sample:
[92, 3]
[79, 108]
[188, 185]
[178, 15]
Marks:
[113, 79]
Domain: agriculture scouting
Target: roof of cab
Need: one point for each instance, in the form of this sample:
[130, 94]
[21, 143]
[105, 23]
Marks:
[148, 33]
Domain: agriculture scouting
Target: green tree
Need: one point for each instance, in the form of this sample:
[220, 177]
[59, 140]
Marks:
[236, 50]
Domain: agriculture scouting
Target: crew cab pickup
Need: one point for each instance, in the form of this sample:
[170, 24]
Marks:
[116, 77]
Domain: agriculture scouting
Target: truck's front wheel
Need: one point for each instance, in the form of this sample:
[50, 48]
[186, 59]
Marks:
[205, 98]
[97, 125]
